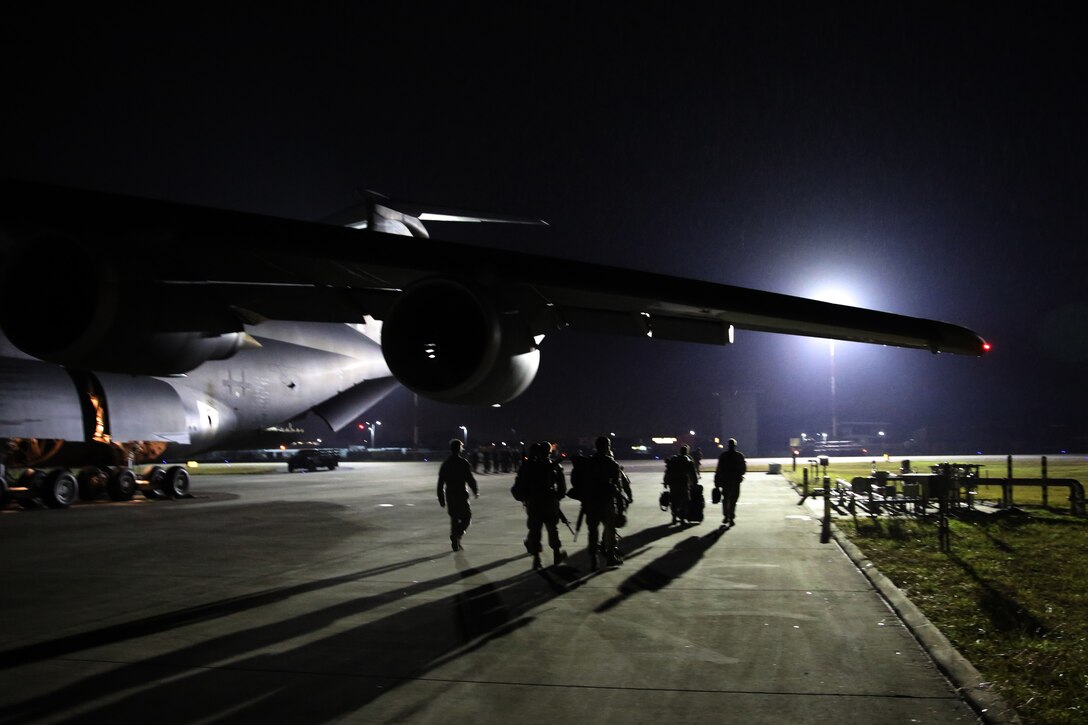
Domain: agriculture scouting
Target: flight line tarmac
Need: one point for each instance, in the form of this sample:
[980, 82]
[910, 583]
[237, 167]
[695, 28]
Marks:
[334, 597]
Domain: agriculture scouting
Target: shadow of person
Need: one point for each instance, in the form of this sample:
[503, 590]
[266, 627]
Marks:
[665, 569]
[263, 648]
[318, 664]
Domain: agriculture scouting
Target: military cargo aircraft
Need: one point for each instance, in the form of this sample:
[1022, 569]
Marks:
[160, 324]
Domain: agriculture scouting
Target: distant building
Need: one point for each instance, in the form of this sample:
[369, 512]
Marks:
[854, 439]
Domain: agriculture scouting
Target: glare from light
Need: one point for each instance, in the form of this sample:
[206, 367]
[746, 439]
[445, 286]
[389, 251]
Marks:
[835, 295]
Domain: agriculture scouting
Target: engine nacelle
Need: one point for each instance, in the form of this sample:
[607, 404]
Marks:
[63, 303]
[450, 342]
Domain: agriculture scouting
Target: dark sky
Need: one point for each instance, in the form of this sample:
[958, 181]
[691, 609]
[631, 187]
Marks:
[929, 160]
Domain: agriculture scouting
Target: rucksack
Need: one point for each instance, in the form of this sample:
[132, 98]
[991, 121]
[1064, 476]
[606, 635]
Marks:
[535, 480]
[676, 469]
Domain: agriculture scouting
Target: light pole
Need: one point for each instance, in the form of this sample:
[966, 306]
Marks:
[834, 420]
[373, 430]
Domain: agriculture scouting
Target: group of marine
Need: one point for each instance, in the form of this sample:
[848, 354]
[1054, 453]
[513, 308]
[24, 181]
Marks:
[599, 483]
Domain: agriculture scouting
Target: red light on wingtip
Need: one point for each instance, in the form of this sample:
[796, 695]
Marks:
[985, 347]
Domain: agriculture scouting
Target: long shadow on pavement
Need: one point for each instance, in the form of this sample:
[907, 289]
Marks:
[159, 623]
[273, 678]
[175, 702]
[665, 569]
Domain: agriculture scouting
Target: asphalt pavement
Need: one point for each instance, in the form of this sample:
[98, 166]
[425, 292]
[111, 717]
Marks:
[334, 597]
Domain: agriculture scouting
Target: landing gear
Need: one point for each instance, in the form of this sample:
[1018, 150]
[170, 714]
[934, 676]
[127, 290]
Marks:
[155, 482]
[59, 489]
[92, 481]
[121, 484]
[27, 489]
[35, 488]
[172, 482]
[176, 482]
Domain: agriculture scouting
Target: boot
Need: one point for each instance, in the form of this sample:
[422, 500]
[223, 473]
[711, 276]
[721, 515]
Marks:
[559, 557]
[536, 561]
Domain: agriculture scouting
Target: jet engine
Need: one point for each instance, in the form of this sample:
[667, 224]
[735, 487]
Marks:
[453, 342]
[62, 303]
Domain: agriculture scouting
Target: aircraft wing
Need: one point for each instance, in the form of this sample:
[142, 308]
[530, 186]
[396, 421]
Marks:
[173, 268]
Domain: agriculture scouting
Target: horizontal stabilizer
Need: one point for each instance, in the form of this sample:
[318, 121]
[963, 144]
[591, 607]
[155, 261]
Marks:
[337, 412]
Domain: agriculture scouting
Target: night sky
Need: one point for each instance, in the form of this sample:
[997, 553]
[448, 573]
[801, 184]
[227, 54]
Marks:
[924, 160]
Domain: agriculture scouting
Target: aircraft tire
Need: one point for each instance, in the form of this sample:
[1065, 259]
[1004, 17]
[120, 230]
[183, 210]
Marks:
[91, 480]
[156, 482]
[5, 495]
[121, 484]
[60, 489]
[176, 482]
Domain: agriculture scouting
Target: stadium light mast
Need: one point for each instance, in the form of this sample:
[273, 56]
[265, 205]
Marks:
[838, 296]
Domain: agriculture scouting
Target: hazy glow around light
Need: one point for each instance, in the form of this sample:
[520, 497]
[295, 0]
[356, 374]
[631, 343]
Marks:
[835, 294]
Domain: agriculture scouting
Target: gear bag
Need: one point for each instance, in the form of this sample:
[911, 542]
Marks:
[696, 504]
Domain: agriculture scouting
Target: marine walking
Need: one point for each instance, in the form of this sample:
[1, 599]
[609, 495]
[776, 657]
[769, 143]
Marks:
[605, 493]
[455, 479]
[727, 477]
[681, 478]
[540, 485]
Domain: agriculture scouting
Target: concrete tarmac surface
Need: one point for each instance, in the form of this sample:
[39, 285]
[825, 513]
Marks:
[334, 597]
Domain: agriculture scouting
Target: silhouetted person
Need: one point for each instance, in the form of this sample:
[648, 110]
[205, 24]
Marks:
[454, 479]
[540, 484]
[606, 493]
[681, 475]
[727, 477]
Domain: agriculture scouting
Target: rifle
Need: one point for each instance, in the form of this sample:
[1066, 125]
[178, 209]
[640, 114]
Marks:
[581, 518]
[565, 520]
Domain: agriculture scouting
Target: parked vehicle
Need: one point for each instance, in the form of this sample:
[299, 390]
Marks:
[311, 459]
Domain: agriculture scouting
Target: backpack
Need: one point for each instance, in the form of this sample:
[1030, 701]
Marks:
[535, 481]
[676, 470]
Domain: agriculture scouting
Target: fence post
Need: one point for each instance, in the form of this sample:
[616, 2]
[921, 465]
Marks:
[944, 534]
[825, 528]
[1046, 497]
[1006, 486]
